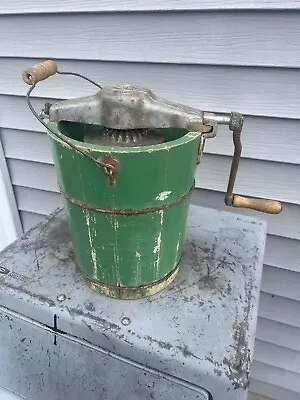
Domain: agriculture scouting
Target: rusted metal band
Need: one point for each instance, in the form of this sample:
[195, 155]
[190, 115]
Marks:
[118, 211]
[131, 292]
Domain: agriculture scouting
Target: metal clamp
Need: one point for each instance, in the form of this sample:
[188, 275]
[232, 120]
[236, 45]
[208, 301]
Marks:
[235, 123]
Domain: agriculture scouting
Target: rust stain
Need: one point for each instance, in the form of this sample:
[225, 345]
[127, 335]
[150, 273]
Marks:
[21, 288]
[160, 343]
[106, 325]
[112, 169]
[239, 366]
[186, 352]
[90, 306]
[168, 346]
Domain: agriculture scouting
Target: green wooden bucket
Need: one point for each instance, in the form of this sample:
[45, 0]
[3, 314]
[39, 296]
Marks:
[127, 236]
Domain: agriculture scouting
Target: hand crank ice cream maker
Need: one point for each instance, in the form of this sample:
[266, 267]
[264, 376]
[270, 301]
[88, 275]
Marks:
[125, 162]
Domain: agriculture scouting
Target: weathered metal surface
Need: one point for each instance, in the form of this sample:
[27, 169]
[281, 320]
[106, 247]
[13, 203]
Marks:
[128, 107]
[73, 369]
[127, 230]
[200, 330]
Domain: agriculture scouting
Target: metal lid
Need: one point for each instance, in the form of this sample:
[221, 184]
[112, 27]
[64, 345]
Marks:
[128, 107]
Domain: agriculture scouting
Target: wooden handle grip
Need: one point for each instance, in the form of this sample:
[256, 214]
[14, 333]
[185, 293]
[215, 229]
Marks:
[263, 205]
[39, 72]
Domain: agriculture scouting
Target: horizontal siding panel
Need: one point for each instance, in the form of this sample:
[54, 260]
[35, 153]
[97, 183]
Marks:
[34, 175]
[276, 376]
[273, 392]
[263, 138]
[277, 356]
[255, 178]
[287, 223]
[282, 282]
[253, 396]
[240, 38]
[289, 255]
[279, 309]
[270, 139]
[37, 201]
[277, 333]
[68, 6]
[15, 113]
[215, 88]
[26, 145]
[29, 220]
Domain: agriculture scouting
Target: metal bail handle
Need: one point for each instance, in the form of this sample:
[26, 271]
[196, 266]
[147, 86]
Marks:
[44, 70]
[262, 205]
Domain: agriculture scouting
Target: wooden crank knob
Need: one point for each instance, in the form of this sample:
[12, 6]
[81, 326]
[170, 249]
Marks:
[263, 205]
[39, 72]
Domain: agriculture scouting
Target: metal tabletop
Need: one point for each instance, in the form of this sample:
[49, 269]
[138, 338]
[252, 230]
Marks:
[198, 333]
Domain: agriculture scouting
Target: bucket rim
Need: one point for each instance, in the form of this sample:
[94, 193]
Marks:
[188, 137]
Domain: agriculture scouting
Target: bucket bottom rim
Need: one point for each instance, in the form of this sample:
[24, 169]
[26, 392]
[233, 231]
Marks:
[131, 292]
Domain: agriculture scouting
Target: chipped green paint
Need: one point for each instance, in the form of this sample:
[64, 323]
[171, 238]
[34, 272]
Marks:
[126, 255]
